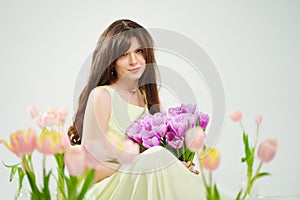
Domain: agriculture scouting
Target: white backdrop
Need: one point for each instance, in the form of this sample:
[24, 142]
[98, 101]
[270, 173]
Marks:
[255, 46]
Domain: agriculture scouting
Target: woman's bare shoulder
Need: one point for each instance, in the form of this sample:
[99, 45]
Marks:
[101, 94]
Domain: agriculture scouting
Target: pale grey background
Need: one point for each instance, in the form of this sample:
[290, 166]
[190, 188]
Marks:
[254, 44]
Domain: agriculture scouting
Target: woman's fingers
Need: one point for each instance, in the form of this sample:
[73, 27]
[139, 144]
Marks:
[190, 166]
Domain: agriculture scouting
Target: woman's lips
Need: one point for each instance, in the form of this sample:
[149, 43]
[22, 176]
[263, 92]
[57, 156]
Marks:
[136, 69]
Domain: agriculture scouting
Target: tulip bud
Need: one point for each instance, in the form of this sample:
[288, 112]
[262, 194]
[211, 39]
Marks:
[236, 116]
[32, 112]
[258, 119]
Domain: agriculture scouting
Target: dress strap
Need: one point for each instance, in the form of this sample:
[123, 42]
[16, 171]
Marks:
[109, 89]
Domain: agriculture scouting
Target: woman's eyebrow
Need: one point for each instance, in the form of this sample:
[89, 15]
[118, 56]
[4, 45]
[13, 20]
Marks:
[139, 47]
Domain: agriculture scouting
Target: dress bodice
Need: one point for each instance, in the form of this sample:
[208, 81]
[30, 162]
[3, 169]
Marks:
[122, 113]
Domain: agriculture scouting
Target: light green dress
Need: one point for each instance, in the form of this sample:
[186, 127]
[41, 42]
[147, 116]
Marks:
[154, 174]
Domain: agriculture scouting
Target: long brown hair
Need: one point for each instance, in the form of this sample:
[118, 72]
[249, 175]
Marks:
[113, 43]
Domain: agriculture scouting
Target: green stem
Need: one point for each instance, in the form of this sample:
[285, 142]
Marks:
[31, 177]
[256, 139]
[178, 153]
[210, 178]
[257, 171]
[251, 181]
[210, 184]
[242, 126]
[44, 165]
[61, 192]
[203, 177]
[25, 163]
[183, 152]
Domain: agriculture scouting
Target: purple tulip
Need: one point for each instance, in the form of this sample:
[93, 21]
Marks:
[150, 139]
[174, 140]
[188, 108]
[178, 124]
[174, 112]
[204, 119]
[160, 130]
[159, 119]
[192, 119]
[134, 132]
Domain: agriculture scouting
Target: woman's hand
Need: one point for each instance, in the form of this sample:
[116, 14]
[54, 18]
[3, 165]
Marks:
[190, 166]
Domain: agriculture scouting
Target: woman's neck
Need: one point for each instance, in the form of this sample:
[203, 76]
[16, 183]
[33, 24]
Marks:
[128, 86]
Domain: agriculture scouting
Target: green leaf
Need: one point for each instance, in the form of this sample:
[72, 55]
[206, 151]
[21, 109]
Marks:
[10, 166]
[13, 172]
[238, 197]
[88, 183]
[216, 193]
[32, 182]
[45, 190]
[198, 121]
[247, 148]
[29, 157]
[72, 183]
[208, 193]
[262, 174]
[21, 177]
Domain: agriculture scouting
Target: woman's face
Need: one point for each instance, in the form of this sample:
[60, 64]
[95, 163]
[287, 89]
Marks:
[132, 64]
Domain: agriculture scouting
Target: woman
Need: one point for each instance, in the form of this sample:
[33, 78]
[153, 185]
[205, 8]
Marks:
[121, 88]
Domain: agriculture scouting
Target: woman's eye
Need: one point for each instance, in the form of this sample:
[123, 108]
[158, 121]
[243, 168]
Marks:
[140, 51]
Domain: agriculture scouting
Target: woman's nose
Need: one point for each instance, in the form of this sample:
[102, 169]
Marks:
[132, 58]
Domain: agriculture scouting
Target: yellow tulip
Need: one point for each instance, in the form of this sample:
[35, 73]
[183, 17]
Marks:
[209, 158]
[50, 142]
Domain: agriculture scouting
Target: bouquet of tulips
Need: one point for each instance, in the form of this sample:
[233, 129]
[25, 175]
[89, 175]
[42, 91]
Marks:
[180, 129]
[53, 142]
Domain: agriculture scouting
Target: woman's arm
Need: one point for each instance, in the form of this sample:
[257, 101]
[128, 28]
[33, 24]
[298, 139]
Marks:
[102, 111]
[104, 171]
[102, 108]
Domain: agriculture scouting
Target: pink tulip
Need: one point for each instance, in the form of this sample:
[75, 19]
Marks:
[194, 138]
[62, 115]
[50, 142]
[74, 159]
[32, 112]
[21, 142]
[48, 119]
[38, 121]
[236, 116]
[267, 150]
[65, 141]
[63, 112]
[258, 119]
[209, 159]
